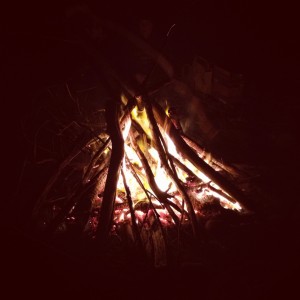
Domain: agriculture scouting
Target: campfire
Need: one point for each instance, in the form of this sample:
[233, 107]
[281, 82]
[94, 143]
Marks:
[139, 172]
[139, 176]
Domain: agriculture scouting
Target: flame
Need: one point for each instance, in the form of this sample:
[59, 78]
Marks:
[163, 181]
[126, 128]
[172, 150]
[124, 99]
[161, 177]
[142, 118]
[167, 108]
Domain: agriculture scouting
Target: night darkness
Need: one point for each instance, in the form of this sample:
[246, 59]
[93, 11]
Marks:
[257, 40]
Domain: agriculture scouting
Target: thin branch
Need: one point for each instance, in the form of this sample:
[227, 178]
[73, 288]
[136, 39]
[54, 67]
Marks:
[163, 197]
[130, 204]
[193, 157]
[170, 172]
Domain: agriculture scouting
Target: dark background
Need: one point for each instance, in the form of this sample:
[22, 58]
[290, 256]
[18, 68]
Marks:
[258, 40]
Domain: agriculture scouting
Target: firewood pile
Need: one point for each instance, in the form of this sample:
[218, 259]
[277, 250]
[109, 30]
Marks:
[127, 169]
[137, 176]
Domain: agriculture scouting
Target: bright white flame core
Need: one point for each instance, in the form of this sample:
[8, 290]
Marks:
[162, 180]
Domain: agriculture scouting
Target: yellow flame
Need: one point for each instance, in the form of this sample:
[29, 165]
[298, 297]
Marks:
[161, 177]
[172, 150]
[167, 108]
[126, 129]
[142, 118]
[163, 181]
[124, 99]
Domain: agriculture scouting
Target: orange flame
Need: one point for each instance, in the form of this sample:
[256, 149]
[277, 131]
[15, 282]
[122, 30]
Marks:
[163, 181]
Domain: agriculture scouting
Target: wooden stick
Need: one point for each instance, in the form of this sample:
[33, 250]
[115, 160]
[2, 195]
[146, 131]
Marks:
[109, 195]
[130, 204]
[192, 156]
[183, 167]
[193, 144]
[173, 175]
[77, 197]
[150, 202]
[81, 143]
[95, 158]
[161, 196]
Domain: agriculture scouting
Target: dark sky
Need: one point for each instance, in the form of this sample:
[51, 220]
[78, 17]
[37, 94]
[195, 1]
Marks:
[259, 40]
[249, 37]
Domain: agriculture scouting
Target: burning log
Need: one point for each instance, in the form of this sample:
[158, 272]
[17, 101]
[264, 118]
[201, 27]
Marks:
[161, 196]
[159, 142]
[187, 152]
